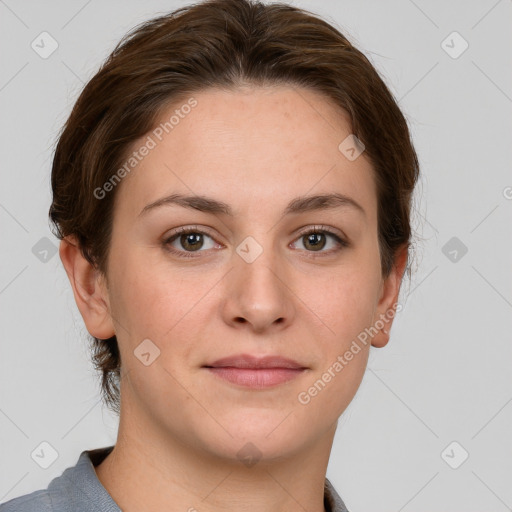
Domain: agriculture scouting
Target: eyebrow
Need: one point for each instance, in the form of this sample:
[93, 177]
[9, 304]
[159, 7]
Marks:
[298, 205]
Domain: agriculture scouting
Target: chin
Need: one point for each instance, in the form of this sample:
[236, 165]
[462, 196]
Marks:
[250, 450]
[271, 439]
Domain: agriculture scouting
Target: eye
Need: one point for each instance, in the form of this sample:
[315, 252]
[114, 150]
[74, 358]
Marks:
[317, 238]
[185, 241]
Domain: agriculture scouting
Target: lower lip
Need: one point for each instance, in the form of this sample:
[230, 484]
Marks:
[256, 378]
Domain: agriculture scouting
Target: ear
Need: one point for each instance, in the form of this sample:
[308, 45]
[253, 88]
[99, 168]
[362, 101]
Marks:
[390, 289]
[89, 289]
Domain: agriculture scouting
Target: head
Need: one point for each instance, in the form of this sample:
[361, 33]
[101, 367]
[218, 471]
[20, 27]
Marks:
[248, 116]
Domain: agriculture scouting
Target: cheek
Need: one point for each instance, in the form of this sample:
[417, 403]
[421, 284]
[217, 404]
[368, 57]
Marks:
[331, 390]
[157, 302]
[345, 302]
[153, 303]
[345, 307]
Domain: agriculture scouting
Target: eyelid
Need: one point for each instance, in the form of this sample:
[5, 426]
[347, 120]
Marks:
[322, 228]
[182, 230]
[167, 239]
[341, 239]
[339, 236]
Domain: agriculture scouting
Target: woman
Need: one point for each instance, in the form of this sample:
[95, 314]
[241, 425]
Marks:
[232, 191]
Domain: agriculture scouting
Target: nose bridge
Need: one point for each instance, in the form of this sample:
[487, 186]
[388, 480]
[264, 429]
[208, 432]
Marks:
[258, 263]
[257, 293]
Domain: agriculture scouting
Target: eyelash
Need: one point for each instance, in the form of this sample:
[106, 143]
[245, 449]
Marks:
[307, 231]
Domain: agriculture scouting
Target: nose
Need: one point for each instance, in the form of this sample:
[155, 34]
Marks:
[257, 295]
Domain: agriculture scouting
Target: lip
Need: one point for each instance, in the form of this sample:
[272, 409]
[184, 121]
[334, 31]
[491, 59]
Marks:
[257, 378]
[255, 362]
[256, 372]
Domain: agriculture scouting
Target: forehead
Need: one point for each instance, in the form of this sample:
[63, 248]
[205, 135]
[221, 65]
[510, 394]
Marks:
[249, 145]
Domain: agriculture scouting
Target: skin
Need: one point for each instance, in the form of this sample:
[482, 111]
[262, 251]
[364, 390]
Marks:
[180, 426]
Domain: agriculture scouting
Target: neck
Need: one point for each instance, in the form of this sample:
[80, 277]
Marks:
[165, 472]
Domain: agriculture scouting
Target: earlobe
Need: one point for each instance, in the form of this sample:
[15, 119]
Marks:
[386, 307]
[89, 289]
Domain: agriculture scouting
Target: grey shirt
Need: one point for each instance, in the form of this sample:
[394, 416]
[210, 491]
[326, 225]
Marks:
[79, 490]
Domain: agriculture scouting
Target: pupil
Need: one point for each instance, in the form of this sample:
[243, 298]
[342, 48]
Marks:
[316, 244]
[192, 240]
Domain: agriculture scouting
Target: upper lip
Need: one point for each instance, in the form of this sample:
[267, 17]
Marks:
[249, 361]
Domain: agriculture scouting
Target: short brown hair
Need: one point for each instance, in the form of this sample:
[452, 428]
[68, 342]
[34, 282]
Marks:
[219, 44]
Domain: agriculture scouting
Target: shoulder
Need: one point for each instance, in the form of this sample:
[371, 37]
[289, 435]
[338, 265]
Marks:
[37, 501]
[76, 489]
[332, 500]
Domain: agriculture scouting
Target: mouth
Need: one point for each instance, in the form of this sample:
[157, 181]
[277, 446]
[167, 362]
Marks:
[256, 372]
[247, 361]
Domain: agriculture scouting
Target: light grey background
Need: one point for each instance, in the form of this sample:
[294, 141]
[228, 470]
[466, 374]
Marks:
[445, 375]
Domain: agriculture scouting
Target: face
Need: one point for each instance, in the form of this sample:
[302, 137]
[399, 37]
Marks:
[260, 271]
